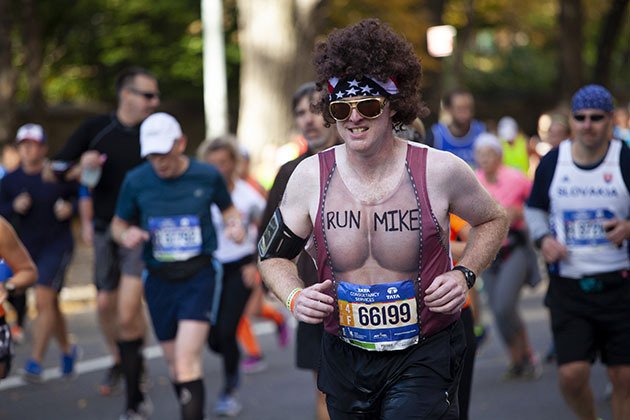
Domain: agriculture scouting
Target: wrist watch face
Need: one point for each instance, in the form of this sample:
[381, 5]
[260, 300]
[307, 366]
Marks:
[468, 275]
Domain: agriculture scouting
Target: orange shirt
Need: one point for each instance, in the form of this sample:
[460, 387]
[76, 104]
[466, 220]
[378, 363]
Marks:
[457, 224]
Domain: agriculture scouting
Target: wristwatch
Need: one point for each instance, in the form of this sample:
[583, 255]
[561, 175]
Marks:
[468, 274]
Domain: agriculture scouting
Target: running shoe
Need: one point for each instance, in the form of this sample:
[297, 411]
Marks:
[32, 371]
[283, 335]
[17, 334]
[111, 383]
[142, 412]
[513, 372]
[227, 406]
[253, 364]
[68, 362]
[532, 368]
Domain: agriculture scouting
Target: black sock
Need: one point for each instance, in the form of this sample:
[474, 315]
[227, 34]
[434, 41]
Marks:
[191, 399]
[131, 362]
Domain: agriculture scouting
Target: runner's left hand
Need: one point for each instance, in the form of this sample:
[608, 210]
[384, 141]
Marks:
[447, 293]
[617, 230]
[62, 209]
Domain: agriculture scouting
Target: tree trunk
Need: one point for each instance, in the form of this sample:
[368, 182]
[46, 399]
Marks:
[610, 29]
[276, 40]
[214, 72]
[570, 22]
[32, 38]
[464, 35]
[8, 74]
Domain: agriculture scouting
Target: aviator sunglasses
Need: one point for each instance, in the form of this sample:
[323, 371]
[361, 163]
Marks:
[368, 108]
[594, 117]
[147, 95]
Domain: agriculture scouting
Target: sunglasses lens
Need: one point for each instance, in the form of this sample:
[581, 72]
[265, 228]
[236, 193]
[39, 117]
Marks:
[594, 117]
[370, 108]
[340, 110]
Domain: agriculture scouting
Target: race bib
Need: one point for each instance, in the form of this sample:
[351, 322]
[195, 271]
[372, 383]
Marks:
[585, 227]
[379, 317]
[176, 238]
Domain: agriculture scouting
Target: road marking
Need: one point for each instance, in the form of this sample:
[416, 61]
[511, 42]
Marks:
[102, 363]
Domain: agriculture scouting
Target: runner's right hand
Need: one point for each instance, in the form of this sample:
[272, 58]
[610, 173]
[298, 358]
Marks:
[313, 304]
[22, 203]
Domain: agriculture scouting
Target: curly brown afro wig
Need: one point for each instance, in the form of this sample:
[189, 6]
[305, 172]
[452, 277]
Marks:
[371, 48]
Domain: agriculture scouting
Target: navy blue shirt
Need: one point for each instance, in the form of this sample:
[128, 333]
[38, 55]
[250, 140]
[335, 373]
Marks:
[176, 212]
[39, 227]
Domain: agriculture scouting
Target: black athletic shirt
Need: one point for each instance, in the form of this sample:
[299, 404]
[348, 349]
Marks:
[121, 144]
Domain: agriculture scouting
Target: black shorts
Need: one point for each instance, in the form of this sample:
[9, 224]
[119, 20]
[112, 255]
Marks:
[591, 317]
[308, 345]
[419, 382]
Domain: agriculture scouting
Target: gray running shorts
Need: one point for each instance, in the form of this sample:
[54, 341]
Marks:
[112, 260]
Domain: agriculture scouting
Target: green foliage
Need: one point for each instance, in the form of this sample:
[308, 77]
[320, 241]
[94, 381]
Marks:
[87, 42]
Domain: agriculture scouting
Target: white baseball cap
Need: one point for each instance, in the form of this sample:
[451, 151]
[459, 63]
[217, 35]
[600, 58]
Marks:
[507, 128]
[488, 140]
[33, 132]
[158, 134]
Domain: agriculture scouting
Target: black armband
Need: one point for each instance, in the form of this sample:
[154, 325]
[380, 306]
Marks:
[278, 241]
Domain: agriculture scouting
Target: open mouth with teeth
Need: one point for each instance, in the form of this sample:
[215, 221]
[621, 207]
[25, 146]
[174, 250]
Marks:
[358, 130]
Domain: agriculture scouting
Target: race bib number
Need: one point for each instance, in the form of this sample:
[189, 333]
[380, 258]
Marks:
[176, 238]
[585, 227]
[379, 317]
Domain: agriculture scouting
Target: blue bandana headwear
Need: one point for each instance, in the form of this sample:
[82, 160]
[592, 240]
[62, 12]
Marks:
[366, 86]
[592, 97]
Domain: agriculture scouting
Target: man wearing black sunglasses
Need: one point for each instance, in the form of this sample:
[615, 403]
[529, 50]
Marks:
[378, 208]
[100, 152]
[578, 215]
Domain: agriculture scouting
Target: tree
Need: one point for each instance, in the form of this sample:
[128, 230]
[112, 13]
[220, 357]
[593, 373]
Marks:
[276, 38]
[8, 74]
[34, 57]
[611, 27]
[570, 24]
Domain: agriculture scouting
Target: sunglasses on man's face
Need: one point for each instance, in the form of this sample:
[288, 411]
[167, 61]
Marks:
[367, 108]
[147, 95]
[593, 118]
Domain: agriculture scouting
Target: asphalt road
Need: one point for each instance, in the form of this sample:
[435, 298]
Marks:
[279, 392]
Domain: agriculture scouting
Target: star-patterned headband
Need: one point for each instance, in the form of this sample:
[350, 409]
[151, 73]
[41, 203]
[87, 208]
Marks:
[367, 86]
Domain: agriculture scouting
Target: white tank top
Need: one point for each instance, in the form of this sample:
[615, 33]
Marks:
[580, 202]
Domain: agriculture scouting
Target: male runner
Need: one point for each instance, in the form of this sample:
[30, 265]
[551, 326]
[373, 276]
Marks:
[319, 136]
[378, 208]
[109, 145]
[458, 137]
[578, 214]
[165, 205]
[42, 212]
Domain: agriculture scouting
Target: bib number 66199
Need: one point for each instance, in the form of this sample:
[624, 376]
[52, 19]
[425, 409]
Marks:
[384, 315]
